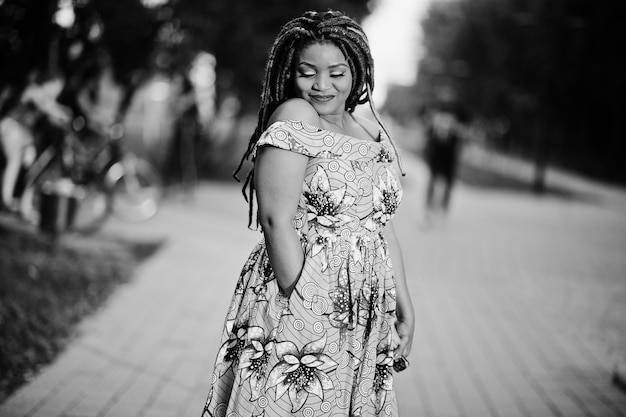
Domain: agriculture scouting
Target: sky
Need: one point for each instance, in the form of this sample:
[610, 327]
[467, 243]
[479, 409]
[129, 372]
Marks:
[394, 34]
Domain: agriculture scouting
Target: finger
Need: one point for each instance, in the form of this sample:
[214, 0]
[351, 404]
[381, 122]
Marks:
[408, 343]
[402, 348]
[407, 349]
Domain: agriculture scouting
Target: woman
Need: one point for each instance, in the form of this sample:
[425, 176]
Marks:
[319, 317]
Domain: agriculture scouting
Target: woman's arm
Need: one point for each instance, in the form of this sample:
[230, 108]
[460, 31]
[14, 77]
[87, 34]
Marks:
[404, 306]
[279, 175]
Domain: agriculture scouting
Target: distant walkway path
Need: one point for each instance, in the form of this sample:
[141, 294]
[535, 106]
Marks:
[520, 305]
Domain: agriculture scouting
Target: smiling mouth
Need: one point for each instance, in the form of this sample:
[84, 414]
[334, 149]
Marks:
[322, 99]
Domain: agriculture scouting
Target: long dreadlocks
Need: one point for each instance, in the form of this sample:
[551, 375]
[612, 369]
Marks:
[278, 82]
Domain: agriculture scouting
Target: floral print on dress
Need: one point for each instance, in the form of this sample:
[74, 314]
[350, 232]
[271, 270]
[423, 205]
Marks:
[302, 372]
[341, 317]
[327, 349]
[387, 196]
[384, 155]
[323, 243]
[383, 379]
[254, 359]
[369, 306]
[228, 355]
[326, 206]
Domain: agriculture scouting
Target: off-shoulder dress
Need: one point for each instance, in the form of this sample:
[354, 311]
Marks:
[327, 350]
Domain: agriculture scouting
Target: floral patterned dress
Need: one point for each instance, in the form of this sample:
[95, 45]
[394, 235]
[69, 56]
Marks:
[327, 350]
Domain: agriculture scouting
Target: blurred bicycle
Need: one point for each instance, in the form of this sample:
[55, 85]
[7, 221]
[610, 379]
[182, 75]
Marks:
[92, 174]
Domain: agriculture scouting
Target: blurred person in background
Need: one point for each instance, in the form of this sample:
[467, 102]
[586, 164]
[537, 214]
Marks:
[444, 136]
[21, 130]
[319, 318]
[181, 162]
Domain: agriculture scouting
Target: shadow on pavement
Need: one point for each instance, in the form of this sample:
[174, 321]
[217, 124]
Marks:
[476, 176]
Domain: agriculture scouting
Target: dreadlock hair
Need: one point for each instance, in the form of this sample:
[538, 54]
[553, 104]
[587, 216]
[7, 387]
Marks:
[278, 82]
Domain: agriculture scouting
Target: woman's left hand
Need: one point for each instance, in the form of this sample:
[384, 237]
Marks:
[405, 331]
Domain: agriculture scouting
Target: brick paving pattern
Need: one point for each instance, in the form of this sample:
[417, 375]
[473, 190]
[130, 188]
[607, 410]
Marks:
[520, 305]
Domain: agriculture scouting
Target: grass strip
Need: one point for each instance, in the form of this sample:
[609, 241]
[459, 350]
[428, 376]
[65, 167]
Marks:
[46, 287]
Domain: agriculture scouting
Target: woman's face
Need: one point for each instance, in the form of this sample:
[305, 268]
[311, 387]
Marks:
[323, 78]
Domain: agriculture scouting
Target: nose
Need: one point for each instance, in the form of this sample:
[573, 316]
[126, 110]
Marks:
[322, 82]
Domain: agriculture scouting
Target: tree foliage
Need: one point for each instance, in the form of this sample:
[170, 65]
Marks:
[135, 40]
[105, 33]
[21, 47]
[240, 34]
[552, 69]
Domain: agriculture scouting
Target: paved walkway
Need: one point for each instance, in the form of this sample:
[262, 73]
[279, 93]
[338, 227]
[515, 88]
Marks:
[520, 303]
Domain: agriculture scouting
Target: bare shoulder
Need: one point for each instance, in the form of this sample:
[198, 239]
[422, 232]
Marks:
[370, 126]
[296, 109]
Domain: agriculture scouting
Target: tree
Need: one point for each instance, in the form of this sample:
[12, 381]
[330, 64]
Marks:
[26, 28]
[552, 69]
[104, 33]
[136, 40]
[240, 34]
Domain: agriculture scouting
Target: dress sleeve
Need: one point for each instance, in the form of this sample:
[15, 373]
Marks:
[293, 136]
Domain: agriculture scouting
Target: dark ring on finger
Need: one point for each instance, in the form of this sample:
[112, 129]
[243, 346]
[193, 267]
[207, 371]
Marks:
[400, 364]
